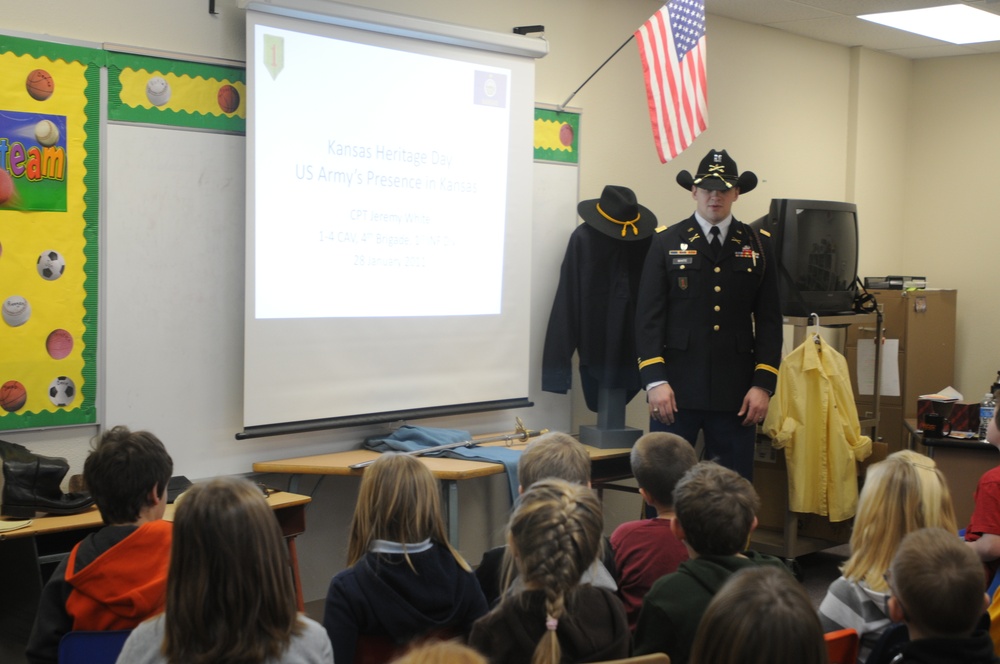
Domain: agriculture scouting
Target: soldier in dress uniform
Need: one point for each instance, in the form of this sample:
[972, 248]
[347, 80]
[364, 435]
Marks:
[708, 320]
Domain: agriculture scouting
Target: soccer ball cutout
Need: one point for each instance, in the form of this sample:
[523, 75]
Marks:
[50, 265]
[62, 391]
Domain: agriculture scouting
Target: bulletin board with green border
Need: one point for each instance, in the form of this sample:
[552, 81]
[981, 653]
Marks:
[49, 213]
[177, 93]
[557, 136]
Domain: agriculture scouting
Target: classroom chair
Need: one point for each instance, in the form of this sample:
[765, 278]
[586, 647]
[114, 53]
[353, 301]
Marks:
[842, 646]
[651, 658]
[84, 647]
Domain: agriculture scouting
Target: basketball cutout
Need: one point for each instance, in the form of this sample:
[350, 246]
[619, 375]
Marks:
[40, 84]
[229, 98]
[59, 344]
[6, 186]
[12, 396]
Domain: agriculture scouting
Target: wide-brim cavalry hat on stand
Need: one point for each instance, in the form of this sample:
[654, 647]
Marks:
[718, 172]
[617, 214]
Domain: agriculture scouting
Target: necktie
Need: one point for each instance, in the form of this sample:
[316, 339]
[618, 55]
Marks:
[715, 243]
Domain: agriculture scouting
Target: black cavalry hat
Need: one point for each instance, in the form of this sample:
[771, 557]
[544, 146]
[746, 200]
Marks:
[717, 171]
[617, 214]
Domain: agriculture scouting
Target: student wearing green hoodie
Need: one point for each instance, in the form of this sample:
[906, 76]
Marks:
[715, 512]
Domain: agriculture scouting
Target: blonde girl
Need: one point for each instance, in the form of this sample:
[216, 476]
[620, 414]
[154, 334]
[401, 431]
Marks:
[901, 494]
[554, 535]
[404, 579]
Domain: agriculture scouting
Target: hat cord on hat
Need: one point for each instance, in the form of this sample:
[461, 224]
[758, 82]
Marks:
[624, 224]
[713, 173]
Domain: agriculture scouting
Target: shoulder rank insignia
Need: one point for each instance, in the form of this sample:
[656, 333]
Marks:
[763, 232]
[660, 229]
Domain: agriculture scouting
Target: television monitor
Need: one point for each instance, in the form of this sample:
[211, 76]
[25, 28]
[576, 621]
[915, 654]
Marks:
[816, 250]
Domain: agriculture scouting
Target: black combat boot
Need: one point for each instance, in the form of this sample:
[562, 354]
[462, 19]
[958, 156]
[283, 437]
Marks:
[32, 484]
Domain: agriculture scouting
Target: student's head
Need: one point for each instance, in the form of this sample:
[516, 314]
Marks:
[230, 596]
[901, 494]
[937, 585]
[659, 460]
[762, 615]
[716, 509]
[440, 652]
[554, 454]
[127, 473]
[554, 535]
[399, 501]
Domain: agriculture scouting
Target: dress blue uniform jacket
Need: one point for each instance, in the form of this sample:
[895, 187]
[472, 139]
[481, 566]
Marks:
[711, 327]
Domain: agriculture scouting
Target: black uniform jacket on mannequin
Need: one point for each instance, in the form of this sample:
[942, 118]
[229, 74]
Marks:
[593, 313]
[710, 327]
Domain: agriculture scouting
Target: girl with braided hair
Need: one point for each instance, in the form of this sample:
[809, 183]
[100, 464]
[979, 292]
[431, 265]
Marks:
[554, 535]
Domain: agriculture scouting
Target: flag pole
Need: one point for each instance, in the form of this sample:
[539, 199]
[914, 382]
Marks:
[562, 106]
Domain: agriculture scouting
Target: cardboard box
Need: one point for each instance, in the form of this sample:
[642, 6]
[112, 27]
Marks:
[963, 416]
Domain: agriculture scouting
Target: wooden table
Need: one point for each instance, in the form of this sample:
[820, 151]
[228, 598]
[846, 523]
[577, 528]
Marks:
[28, 556]
[607, 465]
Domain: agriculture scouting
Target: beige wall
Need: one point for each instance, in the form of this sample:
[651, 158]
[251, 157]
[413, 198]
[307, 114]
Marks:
[950, 232]
[813, 120]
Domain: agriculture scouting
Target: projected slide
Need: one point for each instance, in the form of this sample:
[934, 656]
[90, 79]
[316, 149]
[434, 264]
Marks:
[380, 180]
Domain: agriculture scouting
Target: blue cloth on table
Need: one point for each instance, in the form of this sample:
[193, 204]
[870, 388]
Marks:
[408, 438]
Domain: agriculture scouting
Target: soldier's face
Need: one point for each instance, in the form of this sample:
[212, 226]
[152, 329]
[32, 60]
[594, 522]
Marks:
[714, 205]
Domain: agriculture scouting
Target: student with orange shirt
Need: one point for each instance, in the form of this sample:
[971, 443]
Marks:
[115, 578]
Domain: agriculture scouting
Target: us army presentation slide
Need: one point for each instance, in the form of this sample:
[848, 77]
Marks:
[380, 181]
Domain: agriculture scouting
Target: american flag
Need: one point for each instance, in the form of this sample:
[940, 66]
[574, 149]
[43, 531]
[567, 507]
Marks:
[672, 48]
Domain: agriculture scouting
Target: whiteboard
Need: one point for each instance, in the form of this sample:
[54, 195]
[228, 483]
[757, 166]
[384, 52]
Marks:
[172, 299]
[173, 290]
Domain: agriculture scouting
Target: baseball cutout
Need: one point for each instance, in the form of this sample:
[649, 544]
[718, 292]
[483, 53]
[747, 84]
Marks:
[158, 91]
[46, 133]
[15, 311]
